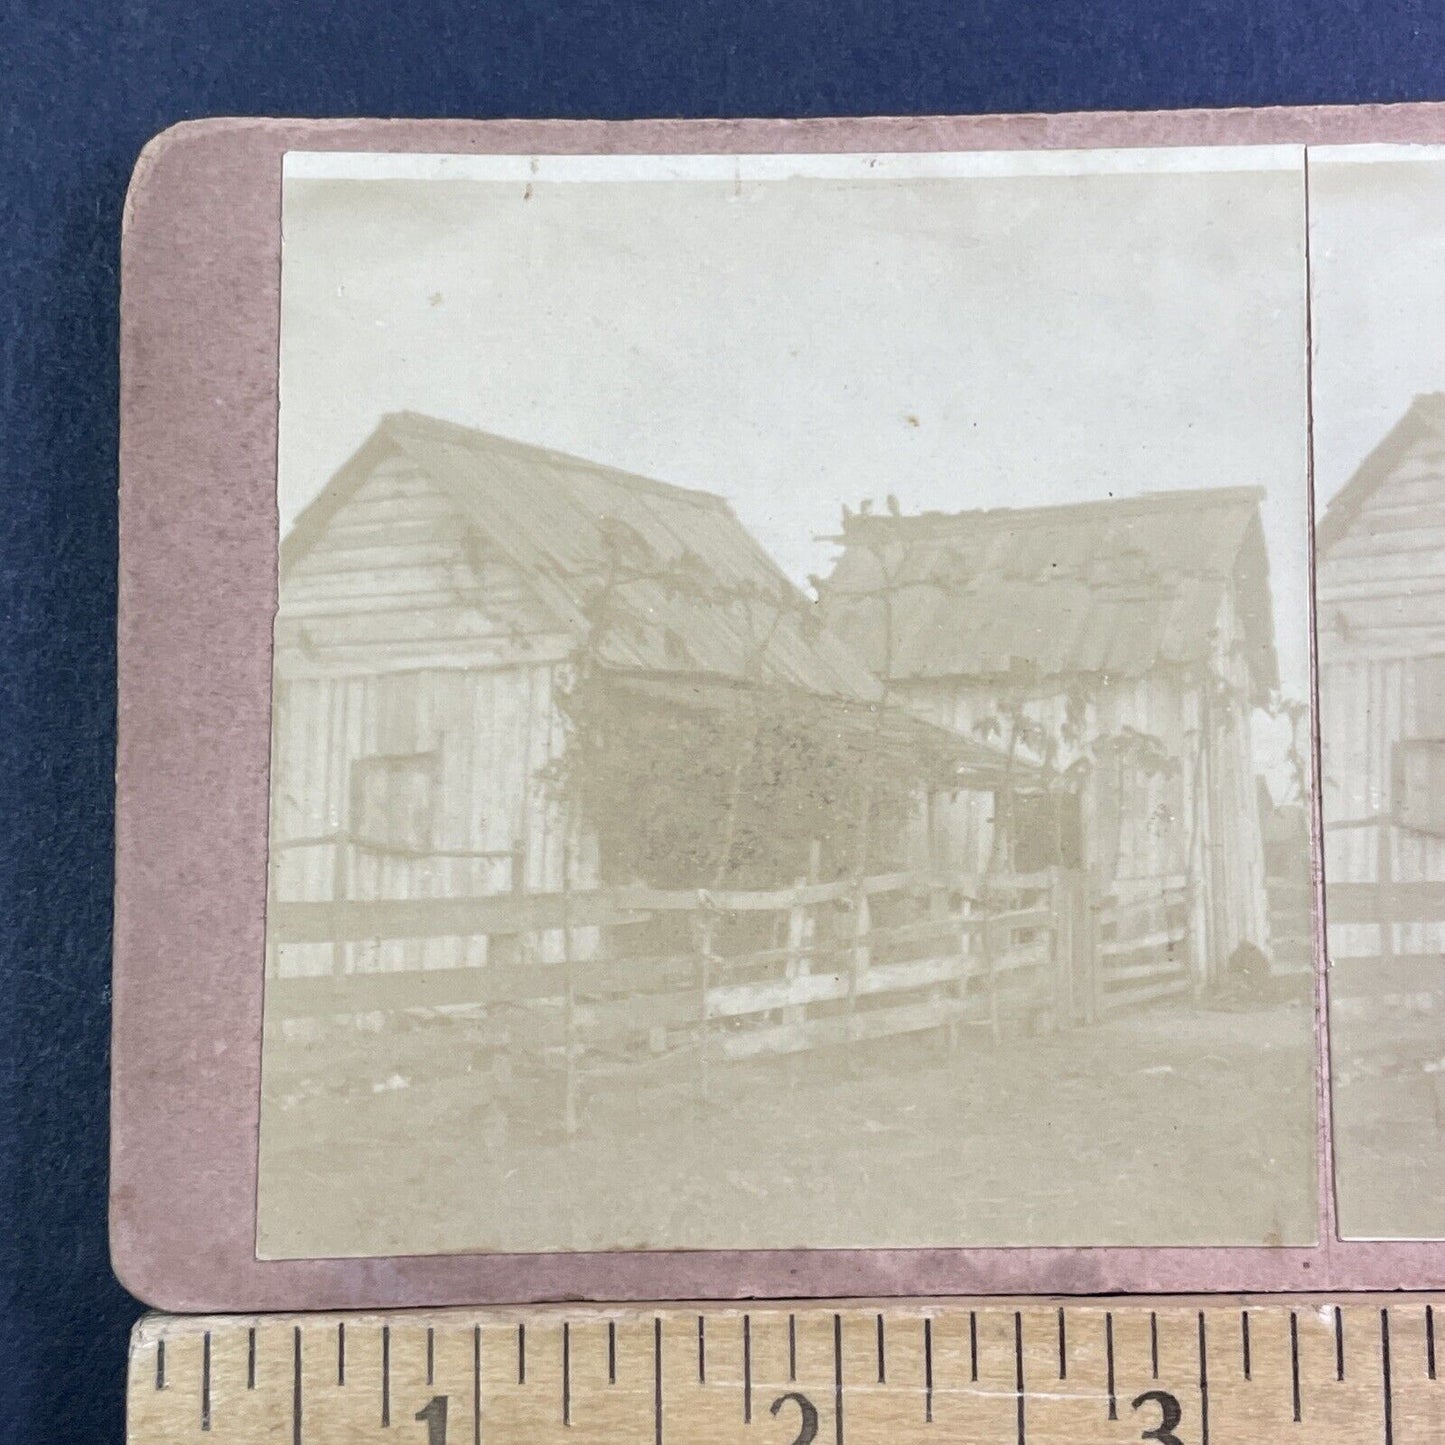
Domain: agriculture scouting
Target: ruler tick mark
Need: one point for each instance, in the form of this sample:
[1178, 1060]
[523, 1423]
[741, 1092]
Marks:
[701, 1350]
[386, 1376]
[1294, 1365]
[566, 1373]
[476, 1385]
[251, 1358]
[1339, 1344]
[521, 1354]
[1019, 1371]
[206, 1381]
[1244, 1341]
[1203, 1381]
[928, 1371]
[1063, 1348]
[882, 1363]
[1109, 1363]
[973, 1347]
[431, 1358]
[838, 1378]
[1430, 1340]
[1389, 1403]
[611, 1352]
[341, 1353]
[1153, 1344]
[792, 1348]
[296, 1386]
[657, 1378]
[160, 1364]
[747, 1370]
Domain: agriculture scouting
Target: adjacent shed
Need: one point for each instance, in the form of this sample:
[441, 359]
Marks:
[1380, 613]
[1118, 645]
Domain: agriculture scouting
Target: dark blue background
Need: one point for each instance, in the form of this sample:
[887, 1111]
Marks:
[82, 86]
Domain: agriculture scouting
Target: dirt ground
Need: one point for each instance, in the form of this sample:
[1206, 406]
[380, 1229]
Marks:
[1388, 1101]
[1173, 1126]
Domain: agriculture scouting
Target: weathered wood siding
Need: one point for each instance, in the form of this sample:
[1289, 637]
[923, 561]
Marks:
[1366, 707]
[1198, 818]
[1380, 591]
[401, 580]
[1381, 585]
[399, 635]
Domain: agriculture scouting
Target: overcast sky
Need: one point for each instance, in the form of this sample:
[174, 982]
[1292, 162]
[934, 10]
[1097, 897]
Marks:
[1377, 259]
[794, 344]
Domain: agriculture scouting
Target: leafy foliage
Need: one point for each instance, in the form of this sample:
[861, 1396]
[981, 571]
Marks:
[709, 796]
[715, 783]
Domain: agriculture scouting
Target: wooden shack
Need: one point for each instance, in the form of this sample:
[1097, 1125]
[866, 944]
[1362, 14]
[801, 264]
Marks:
[1380, 613]
[503, 672]
[1118, 645]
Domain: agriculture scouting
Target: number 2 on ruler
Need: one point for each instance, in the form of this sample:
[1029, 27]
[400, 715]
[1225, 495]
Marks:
[1170, 1414]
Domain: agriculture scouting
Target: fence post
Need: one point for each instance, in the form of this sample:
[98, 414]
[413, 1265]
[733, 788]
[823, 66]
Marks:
[339, 890]
[861, 953]
[706, 924]
[1385, 877]
[505, 950]
[1092, 903]
[796, 966]
[1187, 942]
[569, 1004]
[1061, 906]
[953, 993]
[985, 938]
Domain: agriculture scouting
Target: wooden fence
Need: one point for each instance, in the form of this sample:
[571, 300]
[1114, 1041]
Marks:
[583, 984]
[749, 974]
[1405, 960]
[1142, 944]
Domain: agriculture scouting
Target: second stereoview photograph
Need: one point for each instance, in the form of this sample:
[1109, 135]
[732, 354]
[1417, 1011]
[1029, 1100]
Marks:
[792, 704]
[1378, 284]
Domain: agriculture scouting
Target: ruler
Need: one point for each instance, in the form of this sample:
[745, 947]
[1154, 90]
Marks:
[1216, 1371]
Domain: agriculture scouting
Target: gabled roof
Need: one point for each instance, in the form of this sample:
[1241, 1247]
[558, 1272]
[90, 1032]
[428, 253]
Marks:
[1422, 425]
[1118, 586]
[693, 594]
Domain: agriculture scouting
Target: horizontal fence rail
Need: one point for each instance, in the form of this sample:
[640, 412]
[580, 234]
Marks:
[1396, 927]
[1143, 947]
[1397, 902]
[574, 982]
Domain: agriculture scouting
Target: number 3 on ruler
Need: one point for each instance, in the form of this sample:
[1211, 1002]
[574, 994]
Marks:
[434, 1412]
[1170, 1414]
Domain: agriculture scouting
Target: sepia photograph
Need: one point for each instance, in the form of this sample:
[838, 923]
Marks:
[791, 701]
[1378, 297]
